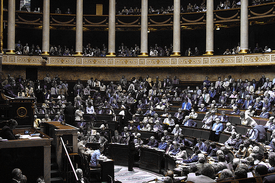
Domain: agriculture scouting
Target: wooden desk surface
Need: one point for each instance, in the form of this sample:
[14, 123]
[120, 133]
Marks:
[44, 141]
[59, 126]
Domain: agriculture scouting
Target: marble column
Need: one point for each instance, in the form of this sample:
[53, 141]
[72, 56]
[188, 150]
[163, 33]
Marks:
[1, 27]
[79, 28]
[176, 29]
[244, 26]
[11, 27]
[112, 28]
[46, 28]
[209, 27]
[144, 28]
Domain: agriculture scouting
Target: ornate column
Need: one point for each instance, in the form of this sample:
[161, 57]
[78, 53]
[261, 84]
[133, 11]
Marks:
[244, 26]
[46, 28]
[209, 27]
[144, 28]
[79, 28]
[1, 27]
[176, 29]
[112, 28]
[11, 27]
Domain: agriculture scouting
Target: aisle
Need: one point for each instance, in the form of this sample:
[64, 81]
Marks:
[136, 176]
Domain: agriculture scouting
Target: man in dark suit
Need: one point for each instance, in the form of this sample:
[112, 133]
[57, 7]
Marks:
[69, 114]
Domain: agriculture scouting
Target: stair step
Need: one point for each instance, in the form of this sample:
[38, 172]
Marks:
[57, 180]
[55, 173]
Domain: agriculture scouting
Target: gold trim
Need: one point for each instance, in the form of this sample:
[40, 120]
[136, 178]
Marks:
[143, 55]
[10, 52]
[176, 54]
[244, 51]
[78, 54]
[45, 53]
[111, 54]
[22, 112]
[209, 53]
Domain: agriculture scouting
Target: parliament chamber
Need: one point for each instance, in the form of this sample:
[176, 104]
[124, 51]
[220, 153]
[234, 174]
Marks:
[182, 89]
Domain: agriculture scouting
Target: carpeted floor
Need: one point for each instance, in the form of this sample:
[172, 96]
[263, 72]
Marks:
[136, 176]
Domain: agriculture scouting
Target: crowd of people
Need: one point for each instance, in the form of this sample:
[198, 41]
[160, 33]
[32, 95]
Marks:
[146, 104]
[257, 49]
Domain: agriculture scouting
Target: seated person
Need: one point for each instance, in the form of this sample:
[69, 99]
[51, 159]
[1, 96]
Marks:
[151, 111]
[207, 120]
[231, 141]
[247, 120]
[46, 119]
[162, 144]
[146, 127]
[223, 117]
[264, 113]
[182, 154]
[186, 106]
[177, 130]
[194, 157]
[7, 132]
[157, 127]
[37, 121]
[202, 108]
[189, 122]
[179, 115]
[175, 149]
[193, 114]
[138, 142]
[269, 123]
[201, 145]
[152, 142]
[235, 111]
[169, 121]
[125, 133]
[184, 141]
[229, 128]
[271, 160]
[257, 133]
[116, 138]
[95, 157]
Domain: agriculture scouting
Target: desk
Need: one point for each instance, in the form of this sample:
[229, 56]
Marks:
[150, 159]
[119, 153]
[170, 163]
[67, 132]
[32, 156]
[107, 171]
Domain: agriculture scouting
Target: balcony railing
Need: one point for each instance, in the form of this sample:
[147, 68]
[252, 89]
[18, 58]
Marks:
[200, 61]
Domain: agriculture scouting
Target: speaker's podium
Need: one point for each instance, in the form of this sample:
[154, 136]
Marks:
[32, 151]
[21, 109]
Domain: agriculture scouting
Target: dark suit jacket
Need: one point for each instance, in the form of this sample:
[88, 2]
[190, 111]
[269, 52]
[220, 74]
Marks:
[7, 133]
[269, 179]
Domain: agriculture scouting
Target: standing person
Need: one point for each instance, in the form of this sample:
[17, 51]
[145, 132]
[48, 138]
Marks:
[131, 152]
[69, 114]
